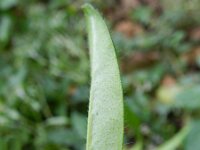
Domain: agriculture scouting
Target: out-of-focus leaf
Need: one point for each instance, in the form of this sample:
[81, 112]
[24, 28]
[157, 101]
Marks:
[79, 123]
[193, 138]
[132, 119]
[176, 140]
[6, 4]
[5, 29]
[57, 121]
[188, 98]
[63, 136]
[81, 94]
[3, 144]
[142, 14]
[137, 146]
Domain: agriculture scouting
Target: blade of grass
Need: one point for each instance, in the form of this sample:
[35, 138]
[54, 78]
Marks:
[175, 141]
[105, 119]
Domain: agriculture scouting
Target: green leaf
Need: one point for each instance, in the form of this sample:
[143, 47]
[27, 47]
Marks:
[3, 144]
[6, 4]
[188, 98]
[5, 28]
[137, 146]
[79, 124]
[142, 14]
[57, 121]
[132, 119]
[62, 136]
[105, 121]
[193, 138]
[175, 141]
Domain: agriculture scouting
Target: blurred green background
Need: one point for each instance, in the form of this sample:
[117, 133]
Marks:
[45, 76]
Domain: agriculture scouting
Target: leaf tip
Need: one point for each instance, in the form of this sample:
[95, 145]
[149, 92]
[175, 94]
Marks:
[88, 8]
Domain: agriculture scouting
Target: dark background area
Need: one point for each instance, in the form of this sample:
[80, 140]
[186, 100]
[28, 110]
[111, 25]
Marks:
[45, 72]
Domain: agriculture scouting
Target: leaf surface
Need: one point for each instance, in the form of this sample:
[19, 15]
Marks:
[105, 119]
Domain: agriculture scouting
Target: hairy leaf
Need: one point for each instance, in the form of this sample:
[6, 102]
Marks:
[105, 121]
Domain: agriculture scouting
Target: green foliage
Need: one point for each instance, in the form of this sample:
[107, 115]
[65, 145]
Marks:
[44, 72]
[188, 98]
[41, 76]
[105, 118]
[175, 141]
[192, 141]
